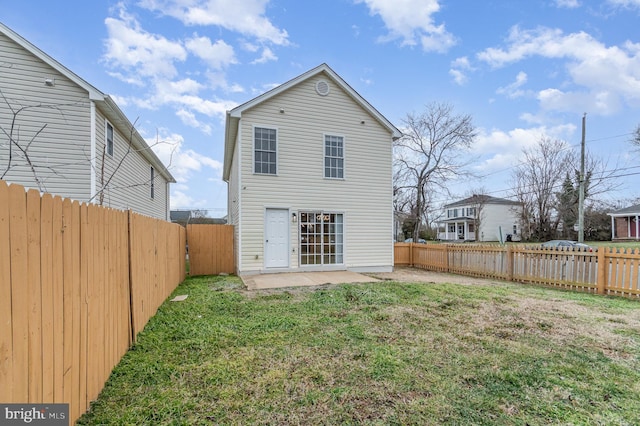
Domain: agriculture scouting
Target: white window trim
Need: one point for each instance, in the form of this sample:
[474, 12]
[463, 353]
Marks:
[344, 156]
[107, 124]
[253, 149]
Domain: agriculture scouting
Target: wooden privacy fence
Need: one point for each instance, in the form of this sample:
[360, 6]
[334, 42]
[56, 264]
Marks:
[611, 271]
[77, 283]
[210, 249]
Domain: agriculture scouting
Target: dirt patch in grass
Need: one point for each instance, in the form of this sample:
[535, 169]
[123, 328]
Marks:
[563, 321]
[415, 275]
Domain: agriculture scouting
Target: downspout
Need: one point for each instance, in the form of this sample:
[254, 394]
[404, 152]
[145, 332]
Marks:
[167, 201]
[239, 207]
[637, 227]
[92, 161]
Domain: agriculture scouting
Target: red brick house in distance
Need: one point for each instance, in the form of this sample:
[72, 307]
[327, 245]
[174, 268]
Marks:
[625, 224]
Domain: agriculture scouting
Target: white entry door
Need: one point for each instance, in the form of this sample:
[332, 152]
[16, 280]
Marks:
[276, 245]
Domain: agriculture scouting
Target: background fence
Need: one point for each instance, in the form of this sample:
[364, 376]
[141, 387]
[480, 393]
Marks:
[77, 283]
[614, 271]
[210, 249]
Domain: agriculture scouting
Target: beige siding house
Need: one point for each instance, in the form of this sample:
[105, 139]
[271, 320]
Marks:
[481, 218]
[61, 135]
[308, 166]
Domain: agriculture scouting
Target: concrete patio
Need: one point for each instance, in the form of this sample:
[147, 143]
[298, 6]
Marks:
[302, 279]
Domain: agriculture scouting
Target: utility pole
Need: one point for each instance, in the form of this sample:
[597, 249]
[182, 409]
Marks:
[581, 189]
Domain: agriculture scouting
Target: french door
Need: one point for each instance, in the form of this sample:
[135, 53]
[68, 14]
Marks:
[321, 238]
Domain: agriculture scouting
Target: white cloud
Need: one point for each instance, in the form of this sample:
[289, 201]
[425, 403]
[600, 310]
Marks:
[625, 3]
[217, 55]
[568, 4]
[503, 149]
[412, 22]
[459, 77]
[461, 62]
[246, 17]
[189, 118]
[458, 68]
[601, 78]
[219, 80]
[181, 162]
[180, 200]
[140, 53]
[267, 56]
[513, 90]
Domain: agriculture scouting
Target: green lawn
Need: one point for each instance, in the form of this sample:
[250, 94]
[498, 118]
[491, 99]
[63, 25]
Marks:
[383, 353]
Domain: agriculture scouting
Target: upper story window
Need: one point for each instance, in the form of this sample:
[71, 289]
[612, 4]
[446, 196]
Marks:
[333, 157]
[452, 213]
[471, 211]
[153, 182]
[265, 153]
[109, 139]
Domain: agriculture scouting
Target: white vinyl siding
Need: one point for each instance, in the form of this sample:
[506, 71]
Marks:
[59, 118]
[496, 217]
[126, 176]
[333, 156]
[233, 203]
[365, 198]
[56, 118]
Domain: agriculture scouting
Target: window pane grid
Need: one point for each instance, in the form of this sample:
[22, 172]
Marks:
[109, 139]
[321, 238]
[265, 151]
[333, 157]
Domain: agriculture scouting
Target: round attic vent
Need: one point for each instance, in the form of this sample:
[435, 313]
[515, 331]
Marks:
[322, 87]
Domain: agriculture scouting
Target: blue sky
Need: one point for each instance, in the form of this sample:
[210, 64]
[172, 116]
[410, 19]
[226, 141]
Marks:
[521, 69]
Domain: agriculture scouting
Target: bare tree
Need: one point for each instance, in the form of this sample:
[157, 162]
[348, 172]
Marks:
[19, 152]
[199, 213]
[635, 137]
[535, 182]
[429, 154]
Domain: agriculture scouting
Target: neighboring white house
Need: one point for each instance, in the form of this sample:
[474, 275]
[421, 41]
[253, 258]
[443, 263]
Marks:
[61, 135]
[308, 166]
[481, 218]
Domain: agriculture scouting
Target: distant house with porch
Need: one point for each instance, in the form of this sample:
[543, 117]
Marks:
[625, 223]
[481, 218]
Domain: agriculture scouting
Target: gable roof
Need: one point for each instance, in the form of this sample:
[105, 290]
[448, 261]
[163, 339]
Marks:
[234, 116]
[482, 199]
[631, 210]
[103, 101]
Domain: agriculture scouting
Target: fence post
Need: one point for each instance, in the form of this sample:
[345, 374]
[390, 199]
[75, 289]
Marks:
[509, 263]
[411, 255]
[602, 270]
[132, 308]
[446, 257]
